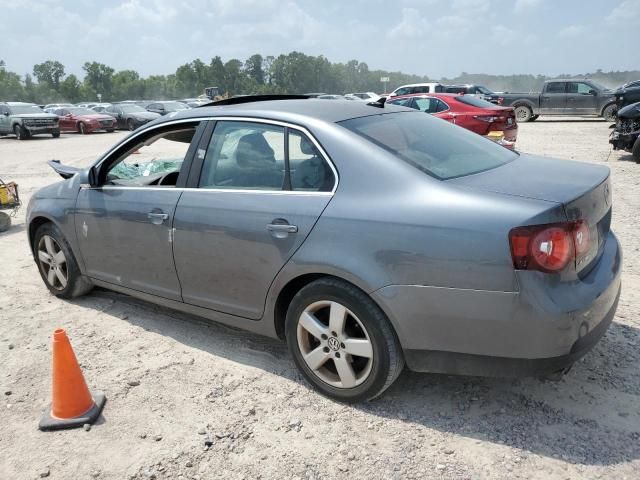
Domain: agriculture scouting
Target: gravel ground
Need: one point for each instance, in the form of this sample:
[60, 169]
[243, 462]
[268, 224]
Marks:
[188, 399]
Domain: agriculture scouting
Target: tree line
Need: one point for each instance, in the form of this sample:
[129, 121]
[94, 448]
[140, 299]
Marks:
[294, 72]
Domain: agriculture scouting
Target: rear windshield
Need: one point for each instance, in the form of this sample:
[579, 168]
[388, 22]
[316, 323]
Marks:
[475, 101]
[430, 144]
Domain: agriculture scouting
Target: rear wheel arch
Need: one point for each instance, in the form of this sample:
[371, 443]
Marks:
[293, 286]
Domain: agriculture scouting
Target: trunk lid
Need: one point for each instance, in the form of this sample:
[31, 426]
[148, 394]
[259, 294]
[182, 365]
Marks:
[583, 189]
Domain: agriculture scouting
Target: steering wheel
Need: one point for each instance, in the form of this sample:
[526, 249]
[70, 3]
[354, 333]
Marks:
[169, 179]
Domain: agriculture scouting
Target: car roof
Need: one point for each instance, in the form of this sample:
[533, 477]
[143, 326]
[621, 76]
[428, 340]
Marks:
[298, 111]
[18, 104]
[434, 94]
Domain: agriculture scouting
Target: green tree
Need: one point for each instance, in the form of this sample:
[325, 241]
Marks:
[50, 73]
[98, 79]
[254, 70]
[71, 89]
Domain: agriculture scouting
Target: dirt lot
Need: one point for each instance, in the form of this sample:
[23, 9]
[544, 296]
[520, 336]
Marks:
[201, 381]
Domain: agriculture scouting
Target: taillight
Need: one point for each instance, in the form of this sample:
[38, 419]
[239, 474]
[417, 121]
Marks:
[549, 248]
[488, 118]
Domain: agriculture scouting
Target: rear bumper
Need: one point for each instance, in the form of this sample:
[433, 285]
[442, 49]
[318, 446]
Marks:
[479, 332]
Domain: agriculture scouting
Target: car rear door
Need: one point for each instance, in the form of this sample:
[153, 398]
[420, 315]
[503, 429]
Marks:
[257, 189]
[5, 126]
[554, 98]
[124, 223]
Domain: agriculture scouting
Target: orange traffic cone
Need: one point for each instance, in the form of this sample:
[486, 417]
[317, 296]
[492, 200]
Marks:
[72, 405]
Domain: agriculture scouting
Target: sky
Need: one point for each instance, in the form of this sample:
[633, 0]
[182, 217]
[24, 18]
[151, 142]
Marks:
[425, 37]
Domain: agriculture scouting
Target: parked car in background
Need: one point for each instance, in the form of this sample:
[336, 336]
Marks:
[315, 95]
[469, 259]
[26, 119]
[331, 96]
[467, 111]
[163, 108]
[198, 103]
[363, 96]
[100, 107]
[627, 94]
[626, 135]
[573, 97]
[130, 116]
[470, 89]
[51, 107]
[431, 87]
[84, 120]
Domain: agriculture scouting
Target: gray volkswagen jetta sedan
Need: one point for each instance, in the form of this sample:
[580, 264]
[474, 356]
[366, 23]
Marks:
[368, 236]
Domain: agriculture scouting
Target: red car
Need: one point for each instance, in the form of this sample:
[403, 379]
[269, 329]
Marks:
[83, 120]
[470, 112]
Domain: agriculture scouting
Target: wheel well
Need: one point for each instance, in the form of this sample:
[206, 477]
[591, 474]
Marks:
[35, 224]
[286, 295]
[606, 106]
[522, 104]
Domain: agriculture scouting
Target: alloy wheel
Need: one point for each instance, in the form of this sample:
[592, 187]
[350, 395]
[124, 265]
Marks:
[335, 344]
[53, 262]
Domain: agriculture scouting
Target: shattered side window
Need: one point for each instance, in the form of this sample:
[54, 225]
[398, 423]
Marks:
[153, 160]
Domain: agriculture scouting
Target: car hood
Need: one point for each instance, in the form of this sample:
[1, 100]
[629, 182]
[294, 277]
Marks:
[144, 115]
[96, 116]
[630, 111]
[36, 115]
[539, 178]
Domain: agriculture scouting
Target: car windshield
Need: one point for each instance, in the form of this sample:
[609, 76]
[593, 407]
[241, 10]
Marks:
[434, 146]
[598, 85]
[475, 101]
[132, 108]
[81, 111]
[25, 109]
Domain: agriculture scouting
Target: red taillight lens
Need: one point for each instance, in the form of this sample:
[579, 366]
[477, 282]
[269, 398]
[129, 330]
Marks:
[488, 118]
[548, 248]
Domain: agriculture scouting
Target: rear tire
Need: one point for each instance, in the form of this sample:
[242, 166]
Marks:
[342, 342]
[57, 264]
[523, 113]
[610, 112]
[130, 125]
[635, 150]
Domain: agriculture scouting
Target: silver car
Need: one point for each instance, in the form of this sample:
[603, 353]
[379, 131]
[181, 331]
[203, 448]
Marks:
[368, 236]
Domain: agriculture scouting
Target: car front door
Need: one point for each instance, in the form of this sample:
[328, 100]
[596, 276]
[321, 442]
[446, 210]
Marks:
[260, 189]
[581, 99]
[554, 98]
[64, 119]
[124, 222]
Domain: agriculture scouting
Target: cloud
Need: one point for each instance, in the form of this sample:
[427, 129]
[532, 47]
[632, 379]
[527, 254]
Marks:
[503, 35]
[523, 5]
[571, 31]
[412, 25]
[628, 12]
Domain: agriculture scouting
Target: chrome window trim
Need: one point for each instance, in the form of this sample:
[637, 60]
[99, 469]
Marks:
[280, 123]
[221, 190]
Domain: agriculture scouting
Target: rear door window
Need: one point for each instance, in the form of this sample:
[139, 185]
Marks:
[556, 87]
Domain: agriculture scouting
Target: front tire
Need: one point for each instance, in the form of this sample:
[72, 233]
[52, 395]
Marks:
[20, 133]
[342, 342]
[55, 134]
[610, 112]
[635, 150]
[57, 264]
[130, 125]
[82, 128]
[523, 113]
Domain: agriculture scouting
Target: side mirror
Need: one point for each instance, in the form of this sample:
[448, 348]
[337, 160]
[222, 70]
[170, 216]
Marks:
[92, 175]
[68, 115]
[593, 92]
[6, 114]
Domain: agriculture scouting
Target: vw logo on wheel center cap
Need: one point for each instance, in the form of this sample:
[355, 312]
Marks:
[334, 344]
